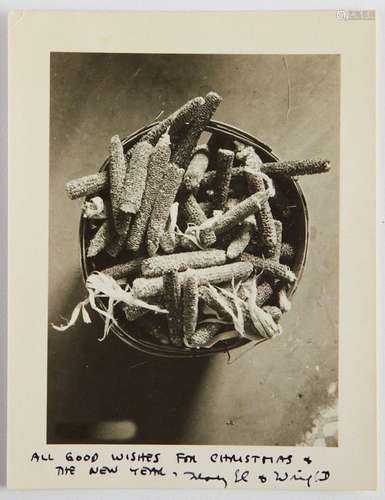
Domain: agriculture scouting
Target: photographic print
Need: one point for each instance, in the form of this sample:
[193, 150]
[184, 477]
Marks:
[193, 249]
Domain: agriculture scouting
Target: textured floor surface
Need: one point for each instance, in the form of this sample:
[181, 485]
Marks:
[269, 395]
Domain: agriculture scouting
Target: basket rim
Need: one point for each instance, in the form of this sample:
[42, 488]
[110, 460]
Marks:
[167, 351]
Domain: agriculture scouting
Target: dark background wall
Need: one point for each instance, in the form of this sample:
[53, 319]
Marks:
[264, 396]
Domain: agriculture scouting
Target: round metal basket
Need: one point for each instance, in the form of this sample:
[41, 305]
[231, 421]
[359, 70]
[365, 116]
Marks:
[221, 132]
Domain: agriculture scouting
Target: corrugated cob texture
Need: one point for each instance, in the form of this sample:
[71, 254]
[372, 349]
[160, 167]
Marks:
[101, 240]
[264, 216]
[172, 300]
[156, 266]
[225, 160]
[184, 148]
[294, 168]
[171, 181]
[135, 180]
[117, 173]
[235, 215]
[155, 170]
[174, 122]
[87, 185]
[279, 271]
[131, 268]
[152, 287]
[190, 299]
[205, 334]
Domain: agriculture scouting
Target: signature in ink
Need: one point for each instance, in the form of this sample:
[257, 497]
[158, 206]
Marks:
[198, 476]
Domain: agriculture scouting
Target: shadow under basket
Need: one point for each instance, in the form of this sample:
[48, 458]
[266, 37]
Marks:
[295, 232]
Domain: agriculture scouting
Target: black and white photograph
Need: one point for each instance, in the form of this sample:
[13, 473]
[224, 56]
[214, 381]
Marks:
[193, 249]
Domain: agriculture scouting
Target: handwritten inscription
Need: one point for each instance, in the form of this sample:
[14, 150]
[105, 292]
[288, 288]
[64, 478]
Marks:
[218, 469]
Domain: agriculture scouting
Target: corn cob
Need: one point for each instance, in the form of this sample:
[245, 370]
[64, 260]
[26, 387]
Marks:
[102, 238]
[167, 241]
[134, 312]
[264, 293]
[218, 141]
[171, 181]
[294, 168]
[225, 160]
[235, 215]
[156, 330]
[204, 334]
[184, 148]
[135, 180]
[264, 216]
[193, 214]
[196, 169]
[152, 287]
[156, 266]
[133, 267]
[176, 120]
[209, 178]
[172, 300]
[155, 170]
[275, 312]
[287, 252]
[242, 239]
[272, 267]
[190, 298]
[117, 173]
[278, 246]
[87, 185]
[216, 301]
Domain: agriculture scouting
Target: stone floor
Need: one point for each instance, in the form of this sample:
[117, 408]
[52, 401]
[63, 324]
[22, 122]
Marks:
[275, 394]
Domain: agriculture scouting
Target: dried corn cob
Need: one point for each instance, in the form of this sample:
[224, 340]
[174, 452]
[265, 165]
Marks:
[209, 177]
[287, 252]
[172, 300]
[171, 181]
[204, 334]
[184, 148]
[264, 216]
[102, 238]
[176, 120]
[152, 287]
[135, 180]
[235, 215]
[117, 173]
[134, 312]
[275, 312]
[155, 170]
[225, 160]
[193, 214]
[191, 211]
[276, 269]
[278, 246]
[242, 239]
[156, 266]
[190, 304]
[216, 301]
[168, 240]
[133, 267]
[196, 169]
[294, 168]
[264, 293]
[87, 185]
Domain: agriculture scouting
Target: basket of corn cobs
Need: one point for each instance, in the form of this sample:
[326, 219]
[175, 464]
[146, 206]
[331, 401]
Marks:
[193, 235]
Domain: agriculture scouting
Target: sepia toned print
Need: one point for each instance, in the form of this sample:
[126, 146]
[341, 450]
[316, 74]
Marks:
[243, 348]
